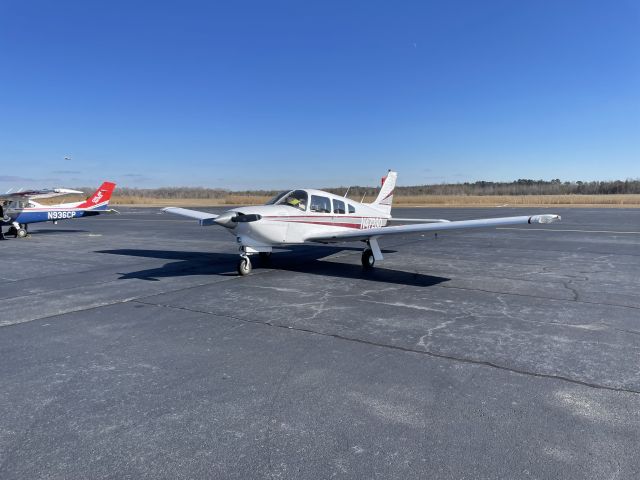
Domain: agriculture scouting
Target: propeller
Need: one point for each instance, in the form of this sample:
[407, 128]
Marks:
[231, 219]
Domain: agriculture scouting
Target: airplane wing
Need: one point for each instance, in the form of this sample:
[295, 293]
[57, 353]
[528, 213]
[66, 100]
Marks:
[431, 227]
[42, 193]
[204, 218]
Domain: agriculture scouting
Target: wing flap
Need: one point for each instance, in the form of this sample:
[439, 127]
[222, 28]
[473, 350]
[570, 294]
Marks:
[432, 227]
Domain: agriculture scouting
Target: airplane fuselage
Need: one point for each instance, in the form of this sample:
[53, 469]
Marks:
[284, 224]
[44, 214]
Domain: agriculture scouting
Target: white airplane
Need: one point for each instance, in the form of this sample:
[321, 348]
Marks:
[309, 216]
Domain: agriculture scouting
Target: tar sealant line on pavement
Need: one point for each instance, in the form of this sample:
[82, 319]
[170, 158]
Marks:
[536, 296]
[568, 230]
[126, 300]
[400, 348]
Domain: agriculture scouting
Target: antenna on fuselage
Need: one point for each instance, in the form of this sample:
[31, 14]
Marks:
[345, 193]
[365, 194]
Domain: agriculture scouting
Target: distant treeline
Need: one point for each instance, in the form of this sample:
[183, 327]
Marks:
[518, 187]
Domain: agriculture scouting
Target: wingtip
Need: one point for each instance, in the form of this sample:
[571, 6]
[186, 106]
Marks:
[547, 218]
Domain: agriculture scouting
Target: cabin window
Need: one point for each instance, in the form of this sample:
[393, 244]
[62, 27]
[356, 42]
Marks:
[320, 204]
[338, 206]
[352, 209]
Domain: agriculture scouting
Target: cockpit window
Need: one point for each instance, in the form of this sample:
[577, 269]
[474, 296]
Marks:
[275, 199]
[297, 199]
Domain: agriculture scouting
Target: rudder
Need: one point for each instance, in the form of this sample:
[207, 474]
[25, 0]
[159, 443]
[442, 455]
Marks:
[99, 200]
[384, 199]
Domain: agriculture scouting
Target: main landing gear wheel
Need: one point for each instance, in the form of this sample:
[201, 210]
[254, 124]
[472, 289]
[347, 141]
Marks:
[368, 260]
[244, 265]
[21, 233]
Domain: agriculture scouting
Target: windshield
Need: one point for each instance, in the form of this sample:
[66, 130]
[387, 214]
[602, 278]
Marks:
[297, 199]
[275, 199]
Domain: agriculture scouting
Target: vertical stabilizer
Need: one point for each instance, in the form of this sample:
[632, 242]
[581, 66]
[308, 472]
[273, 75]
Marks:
[99, 200]
[385, 196]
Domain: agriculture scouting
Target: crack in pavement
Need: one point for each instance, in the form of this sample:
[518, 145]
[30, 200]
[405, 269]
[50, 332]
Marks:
[538, 296]
[337, 336]
[121, 301]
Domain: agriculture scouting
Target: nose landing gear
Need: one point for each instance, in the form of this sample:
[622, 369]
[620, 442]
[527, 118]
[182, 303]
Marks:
[244, 265]
[244, 262]
[18, 230]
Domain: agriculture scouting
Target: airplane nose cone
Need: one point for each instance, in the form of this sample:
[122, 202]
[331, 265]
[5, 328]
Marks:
[226, 219]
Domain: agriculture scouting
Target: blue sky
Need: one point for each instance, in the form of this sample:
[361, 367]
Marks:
[271, 94]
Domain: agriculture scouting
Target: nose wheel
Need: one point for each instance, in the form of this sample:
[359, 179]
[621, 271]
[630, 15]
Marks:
[18, 230]
[244, 265]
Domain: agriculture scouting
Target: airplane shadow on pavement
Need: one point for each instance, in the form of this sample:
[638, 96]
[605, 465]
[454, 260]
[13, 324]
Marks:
[49, 231]
[307, 260]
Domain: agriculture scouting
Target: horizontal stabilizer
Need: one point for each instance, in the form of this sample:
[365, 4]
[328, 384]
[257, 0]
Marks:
[110, 211]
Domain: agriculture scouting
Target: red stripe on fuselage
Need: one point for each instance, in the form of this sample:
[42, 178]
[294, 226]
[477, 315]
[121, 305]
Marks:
[320, 220]
[331, 224]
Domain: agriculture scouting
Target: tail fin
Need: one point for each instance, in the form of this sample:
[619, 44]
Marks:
[385, 196]
[100, 198]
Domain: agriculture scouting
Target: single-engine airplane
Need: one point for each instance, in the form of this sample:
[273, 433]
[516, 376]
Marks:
[308, 216]
[18, 209]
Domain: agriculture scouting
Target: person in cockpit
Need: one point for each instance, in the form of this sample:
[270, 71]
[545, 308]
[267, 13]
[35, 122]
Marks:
[297, 199]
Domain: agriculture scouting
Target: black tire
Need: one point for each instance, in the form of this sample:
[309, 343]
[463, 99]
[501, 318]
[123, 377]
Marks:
[244, 266]
[368, 260]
